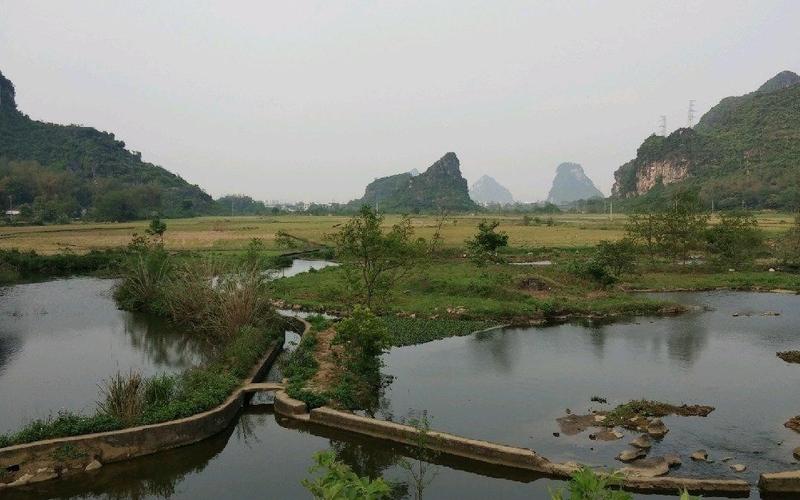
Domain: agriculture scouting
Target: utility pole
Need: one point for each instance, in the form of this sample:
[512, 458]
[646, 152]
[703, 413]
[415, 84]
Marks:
[611, 210]
[690, 120]
[663, 125]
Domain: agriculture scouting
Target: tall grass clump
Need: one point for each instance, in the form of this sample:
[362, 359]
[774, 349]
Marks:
[146, 271]
[123, 398]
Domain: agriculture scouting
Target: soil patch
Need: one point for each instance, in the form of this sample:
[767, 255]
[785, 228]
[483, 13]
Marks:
[328, 357]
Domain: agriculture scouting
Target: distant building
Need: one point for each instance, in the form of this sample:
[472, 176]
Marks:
[12, 213]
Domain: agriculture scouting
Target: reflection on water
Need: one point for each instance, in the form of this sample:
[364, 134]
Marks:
[510, 385]
[60, 339]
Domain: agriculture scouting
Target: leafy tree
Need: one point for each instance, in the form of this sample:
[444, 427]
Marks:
[374, 260]
[156, 228]
[339, 482]
[253, 257]
[484, 245]
[683, 226]
[618, 257]
[789, 247]
[646, 229]
[365, 338]
[736, 239]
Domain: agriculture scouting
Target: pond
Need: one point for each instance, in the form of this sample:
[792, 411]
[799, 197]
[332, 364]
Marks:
[511, 385]
[60, 339]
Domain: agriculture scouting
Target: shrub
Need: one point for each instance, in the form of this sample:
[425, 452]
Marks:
[483, 246]
[143, 280]
[735, 240]
[586, 485]
[124, 398]
[339, 482]
[617, 257]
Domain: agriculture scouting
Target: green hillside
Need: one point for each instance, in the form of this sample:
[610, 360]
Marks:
[57, 172]
[440, 187]
[744, 152]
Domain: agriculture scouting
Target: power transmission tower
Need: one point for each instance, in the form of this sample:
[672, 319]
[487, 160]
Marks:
[663, 125]
[690, 120]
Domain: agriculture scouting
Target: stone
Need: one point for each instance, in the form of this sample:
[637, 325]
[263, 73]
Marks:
[772, 269]
[631, 454]
[21, 480]
[673, 459]
[796, 453]
[43, 474]
[657, 429]
[644, 442]
[726, 459]
[700, 456]
[599, 418]
[608, 435]
[93, 465]
[738, 467]
[556, 434]
[646, 467]
[780, 482]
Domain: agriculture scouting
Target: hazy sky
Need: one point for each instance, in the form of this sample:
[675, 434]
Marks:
[297, 100]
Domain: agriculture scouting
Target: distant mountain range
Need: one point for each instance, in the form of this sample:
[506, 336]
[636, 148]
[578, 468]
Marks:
[745, 151]
[572, 184]
[440, 187]
[57, 172]
[487, 191]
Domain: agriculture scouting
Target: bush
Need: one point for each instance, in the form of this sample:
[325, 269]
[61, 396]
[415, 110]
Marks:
[617, 257]
[124, 398]
[339, 482]
[591, 270]
[586, 485]
[483, 247]
[735, 240]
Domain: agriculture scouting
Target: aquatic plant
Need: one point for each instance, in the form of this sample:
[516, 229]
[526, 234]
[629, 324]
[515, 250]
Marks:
[585, 484]
[339, 482]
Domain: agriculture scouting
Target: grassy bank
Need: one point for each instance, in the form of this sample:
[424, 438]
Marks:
[456, 289]
[17, 266]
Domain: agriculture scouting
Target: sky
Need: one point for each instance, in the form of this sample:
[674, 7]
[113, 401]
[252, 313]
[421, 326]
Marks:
[310, 101]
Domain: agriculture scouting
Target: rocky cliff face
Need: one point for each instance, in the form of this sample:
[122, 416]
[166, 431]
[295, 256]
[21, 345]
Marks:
[487, 190]
[440, 187]
[572, 184]
[743, 151]
[7, 94]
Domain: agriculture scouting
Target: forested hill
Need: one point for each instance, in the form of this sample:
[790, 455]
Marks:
[440, 187]
[744, 152]
[57, 172]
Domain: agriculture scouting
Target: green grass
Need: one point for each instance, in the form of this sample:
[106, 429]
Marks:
[455, 289]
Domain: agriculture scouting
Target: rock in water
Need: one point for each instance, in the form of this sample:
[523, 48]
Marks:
[93, 465]
[796, 453]
[738, 468]
[673, 460]
[572, 184]
[700, 456]
[631, 454]
[644, 442]
[657, 429]
[487, 191]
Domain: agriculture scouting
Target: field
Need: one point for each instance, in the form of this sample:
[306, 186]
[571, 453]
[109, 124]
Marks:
[221, 234]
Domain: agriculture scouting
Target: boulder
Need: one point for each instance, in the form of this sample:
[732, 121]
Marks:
[738, 467]
[93, 465]
[673, 459]
[608, 435]
[631, 454]
[644, 442]
[796, 453]
[657, 429]
[43, 474]
[700, 456]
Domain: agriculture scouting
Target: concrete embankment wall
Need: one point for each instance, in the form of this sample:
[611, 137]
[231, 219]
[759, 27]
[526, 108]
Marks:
[491, 453]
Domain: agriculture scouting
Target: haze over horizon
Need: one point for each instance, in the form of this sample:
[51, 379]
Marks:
[312, 100]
